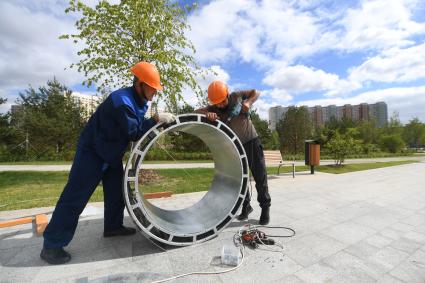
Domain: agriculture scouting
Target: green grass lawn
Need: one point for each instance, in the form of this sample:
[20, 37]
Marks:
[70, 162]
[27, 189]
[37, 163]
[360, 167]
[19, 190]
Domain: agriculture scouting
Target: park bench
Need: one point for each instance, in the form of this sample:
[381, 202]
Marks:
[274, 158]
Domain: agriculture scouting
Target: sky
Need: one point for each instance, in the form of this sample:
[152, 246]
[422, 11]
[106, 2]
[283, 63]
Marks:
[299, 52]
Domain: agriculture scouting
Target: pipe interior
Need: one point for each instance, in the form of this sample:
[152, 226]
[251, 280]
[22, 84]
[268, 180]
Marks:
[222, 193]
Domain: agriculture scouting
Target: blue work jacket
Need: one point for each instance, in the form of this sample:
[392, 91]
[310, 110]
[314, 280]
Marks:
[117, 121]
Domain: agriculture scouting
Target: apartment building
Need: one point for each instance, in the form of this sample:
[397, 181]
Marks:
[322, 114]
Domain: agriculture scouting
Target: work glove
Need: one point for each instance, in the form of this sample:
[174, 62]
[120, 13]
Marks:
[165, 117]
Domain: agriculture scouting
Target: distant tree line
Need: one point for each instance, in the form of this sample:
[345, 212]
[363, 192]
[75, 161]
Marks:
[46, 124]
[344, 138]
[49, 122]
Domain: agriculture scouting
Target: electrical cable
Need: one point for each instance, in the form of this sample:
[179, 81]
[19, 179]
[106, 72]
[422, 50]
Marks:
[237, 244]
[238, 236]
[255, 227]
[205, 272]
[279, 227]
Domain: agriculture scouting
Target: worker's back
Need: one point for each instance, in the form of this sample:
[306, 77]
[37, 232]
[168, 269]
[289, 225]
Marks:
[115, 122]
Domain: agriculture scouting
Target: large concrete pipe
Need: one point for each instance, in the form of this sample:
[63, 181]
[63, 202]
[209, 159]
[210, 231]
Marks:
[206, 218]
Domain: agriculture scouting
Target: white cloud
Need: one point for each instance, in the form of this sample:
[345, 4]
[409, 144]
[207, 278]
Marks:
[251, 31]
[262, 32]
[262, 107]
[211, 30]
[379, 24]
[394, 65]
[276, 22]
[6, 106]
[278, 95]
[276, 37]
[30, 51]
[219, 74]
[403, 100]
[269, 98]
[300, 78]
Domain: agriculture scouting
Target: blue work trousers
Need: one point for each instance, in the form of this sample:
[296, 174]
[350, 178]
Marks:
[88, 169]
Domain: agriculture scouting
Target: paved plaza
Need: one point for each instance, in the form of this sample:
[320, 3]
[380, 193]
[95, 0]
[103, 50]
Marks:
[364, 226]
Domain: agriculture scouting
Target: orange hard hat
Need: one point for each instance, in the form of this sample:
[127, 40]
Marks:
[217, 92]
[147, 73]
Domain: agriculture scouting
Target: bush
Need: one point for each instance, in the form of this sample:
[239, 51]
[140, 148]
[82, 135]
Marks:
[341, 146]
[392, 143]
[160, 154]
[370, 149]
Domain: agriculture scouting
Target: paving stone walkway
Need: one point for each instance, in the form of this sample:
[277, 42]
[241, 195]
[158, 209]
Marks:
[364, 226]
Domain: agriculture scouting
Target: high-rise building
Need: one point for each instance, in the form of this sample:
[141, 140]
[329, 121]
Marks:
[347, 111]
[379, 112]
[89, 102]
[317, 115]
[275, 114]
[355, 116]
[331, 112]
[364, 112]
[322, 114]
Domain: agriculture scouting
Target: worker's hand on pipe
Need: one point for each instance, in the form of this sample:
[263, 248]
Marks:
[165, 117]
[212, 116]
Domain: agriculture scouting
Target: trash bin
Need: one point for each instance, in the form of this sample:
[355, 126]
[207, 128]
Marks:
[312, 154]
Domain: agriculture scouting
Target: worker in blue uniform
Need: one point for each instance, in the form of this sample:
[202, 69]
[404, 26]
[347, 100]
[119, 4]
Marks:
[100, 150]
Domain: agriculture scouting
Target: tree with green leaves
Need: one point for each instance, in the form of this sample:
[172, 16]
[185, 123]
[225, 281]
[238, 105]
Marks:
[390, 138]
[184, 142]
[391, 142]
[394, 126]
[7, 132]
[342, 125]
[274, 141]
[4, 124]
[52, 119]
[414, 133]
[368, 132]
[340, 146]
[116, 36]
[262, 128]
[294, 129]
[12, 145]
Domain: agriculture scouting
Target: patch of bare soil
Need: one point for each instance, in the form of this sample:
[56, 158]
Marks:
[148, 176]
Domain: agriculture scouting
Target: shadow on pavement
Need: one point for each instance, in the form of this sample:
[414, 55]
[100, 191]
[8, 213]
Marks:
[22, 248]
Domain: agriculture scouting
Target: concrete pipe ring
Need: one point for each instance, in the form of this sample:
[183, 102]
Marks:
[211, 214]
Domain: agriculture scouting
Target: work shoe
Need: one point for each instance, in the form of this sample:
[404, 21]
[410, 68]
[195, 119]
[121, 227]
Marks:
[123, 231]
[246, 210]
[55, 255]
[265, 216]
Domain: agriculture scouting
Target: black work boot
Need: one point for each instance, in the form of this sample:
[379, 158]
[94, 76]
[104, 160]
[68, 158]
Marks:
[55, 255]
[123, 231]
[265, 216]
[246, 210]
